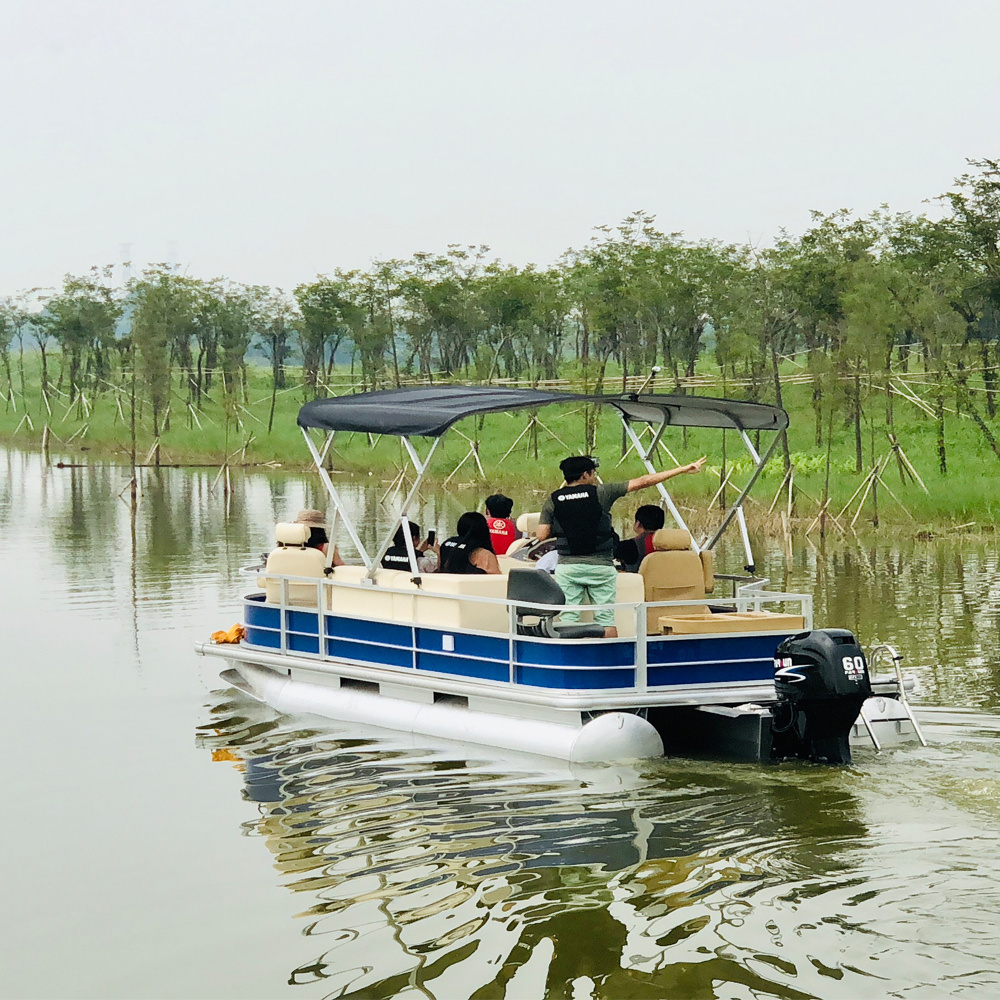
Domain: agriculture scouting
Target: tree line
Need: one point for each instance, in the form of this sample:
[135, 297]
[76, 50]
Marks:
[864, 309]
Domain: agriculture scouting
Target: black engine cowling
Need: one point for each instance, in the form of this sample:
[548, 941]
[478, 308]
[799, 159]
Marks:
[821, 679]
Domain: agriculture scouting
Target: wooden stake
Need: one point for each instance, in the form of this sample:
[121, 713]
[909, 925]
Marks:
[718, 492]
[896, 498]
[853, 495]
[80, 433]
[774, 502]
[786, 532]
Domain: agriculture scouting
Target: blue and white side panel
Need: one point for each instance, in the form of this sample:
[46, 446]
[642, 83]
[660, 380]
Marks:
[541, 663]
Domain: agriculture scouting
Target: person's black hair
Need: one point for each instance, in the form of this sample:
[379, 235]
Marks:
[474, 529]
[399, 540]
[650, 517]
[317, 537]
[576, 466]
[497, 505]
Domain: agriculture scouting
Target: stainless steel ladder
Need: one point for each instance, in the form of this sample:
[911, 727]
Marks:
[879, 652]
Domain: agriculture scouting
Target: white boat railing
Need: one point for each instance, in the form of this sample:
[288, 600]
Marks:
[751, 597]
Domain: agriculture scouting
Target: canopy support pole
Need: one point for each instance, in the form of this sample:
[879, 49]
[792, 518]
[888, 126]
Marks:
[746, 489]
[404, 523]
[421, 467]
[653, 445]
[751, 566]
[338, 504]
[331, 547]
[749, 445]
[644, 455]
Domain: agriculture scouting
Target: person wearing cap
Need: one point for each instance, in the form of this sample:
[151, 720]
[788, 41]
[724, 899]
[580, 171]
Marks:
[578, 516]
[318, 537]
[503, 530]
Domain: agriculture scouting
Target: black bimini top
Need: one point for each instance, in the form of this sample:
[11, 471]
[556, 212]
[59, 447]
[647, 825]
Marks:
[428, 411]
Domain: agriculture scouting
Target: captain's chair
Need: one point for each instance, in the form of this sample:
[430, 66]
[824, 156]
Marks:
[673, 571]
[528, 524]
[292, 558]
[531, 585]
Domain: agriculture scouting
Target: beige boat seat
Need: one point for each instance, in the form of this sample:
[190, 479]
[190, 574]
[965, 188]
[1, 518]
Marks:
[436, 603]
[673, 571]
[292, 558]
[528, 524]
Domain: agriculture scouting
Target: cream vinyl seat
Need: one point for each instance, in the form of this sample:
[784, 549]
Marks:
[438, 602]
[673, 571]
[528, 525]
[292, 558]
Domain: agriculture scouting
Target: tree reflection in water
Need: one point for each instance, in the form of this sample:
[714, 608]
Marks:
[454, 877]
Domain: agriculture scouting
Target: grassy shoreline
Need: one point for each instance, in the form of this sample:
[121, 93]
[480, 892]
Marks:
[513, 459]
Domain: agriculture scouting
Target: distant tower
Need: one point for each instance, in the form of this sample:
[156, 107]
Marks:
[173, 255]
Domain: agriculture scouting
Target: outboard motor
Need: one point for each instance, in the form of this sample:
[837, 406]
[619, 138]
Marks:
[821, 679]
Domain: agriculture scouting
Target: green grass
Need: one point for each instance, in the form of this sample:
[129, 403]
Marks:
[969, 493]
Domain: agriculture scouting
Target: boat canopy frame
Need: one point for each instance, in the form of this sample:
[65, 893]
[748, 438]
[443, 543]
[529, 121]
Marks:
[430, 411]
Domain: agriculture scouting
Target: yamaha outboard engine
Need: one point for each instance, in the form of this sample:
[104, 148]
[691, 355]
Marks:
[821, 679]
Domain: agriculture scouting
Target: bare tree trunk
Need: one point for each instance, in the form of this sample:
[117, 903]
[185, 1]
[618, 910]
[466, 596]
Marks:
[889, 409]
[989, 380]
[858, 455]
[817, 404]
[939, 422]
[786, 456]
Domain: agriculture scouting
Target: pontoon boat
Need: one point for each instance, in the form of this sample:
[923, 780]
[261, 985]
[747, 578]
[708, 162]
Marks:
[483, 658]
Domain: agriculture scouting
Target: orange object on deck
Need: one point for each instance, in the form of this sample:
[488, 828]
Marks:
[235, 634]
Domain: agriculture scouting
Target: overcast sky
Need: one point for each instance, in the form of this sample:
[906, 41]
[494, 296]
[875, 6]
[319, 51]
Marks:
[271, 141]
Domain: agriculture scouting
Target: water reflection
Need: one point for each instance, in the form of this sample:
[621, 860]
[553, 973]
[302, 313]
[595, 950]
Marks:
[428, 874]
[455, 876]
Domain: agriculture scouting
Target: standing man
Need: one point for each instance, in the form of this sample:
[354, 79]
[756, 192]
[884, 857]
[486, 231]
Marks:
[502, 529]
[578, 515]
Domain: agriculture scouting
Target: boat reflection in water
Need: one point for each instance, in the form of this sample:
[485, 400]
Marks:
[431, 874]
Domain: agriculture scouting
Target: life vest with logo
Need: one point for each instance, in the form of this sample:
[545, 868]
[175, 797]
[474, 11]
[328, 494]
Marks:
[455, 554]
[396, 557]
[503, 531]
[632, 551]
[582, 524]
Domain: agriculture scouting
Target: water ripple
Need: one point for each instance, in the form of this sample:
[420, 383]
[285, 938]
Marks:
[476, 877]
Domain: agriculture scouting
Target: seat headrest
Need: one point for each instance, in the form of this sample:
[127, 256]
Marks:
[671, 540]
[291, 533]
[528, 523]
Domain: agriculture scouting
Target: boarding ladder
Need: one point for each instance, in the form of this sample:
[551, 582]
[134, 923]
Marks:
[885, 651]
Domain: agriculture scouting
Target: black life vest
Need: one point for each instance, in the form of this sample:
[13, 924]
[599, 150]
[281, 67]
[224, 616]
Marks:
[396, 557]
[631, 552]
[583, 524]
[455, 554]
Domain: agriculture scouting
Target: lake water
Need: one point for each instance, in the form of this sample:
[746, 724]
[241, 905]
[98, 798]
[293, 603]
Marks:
[165, 836]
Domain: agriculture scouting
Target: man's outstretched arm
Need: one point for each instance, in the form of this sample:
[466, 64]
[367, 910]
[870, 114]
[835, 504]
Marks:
[659, 477]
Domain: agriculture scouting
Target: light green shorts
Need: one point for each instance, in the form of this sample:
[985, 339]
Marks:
[585, 583]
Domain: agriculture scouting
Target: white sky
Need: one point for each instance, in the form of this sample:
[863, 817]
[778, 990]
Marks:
[269, 141]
